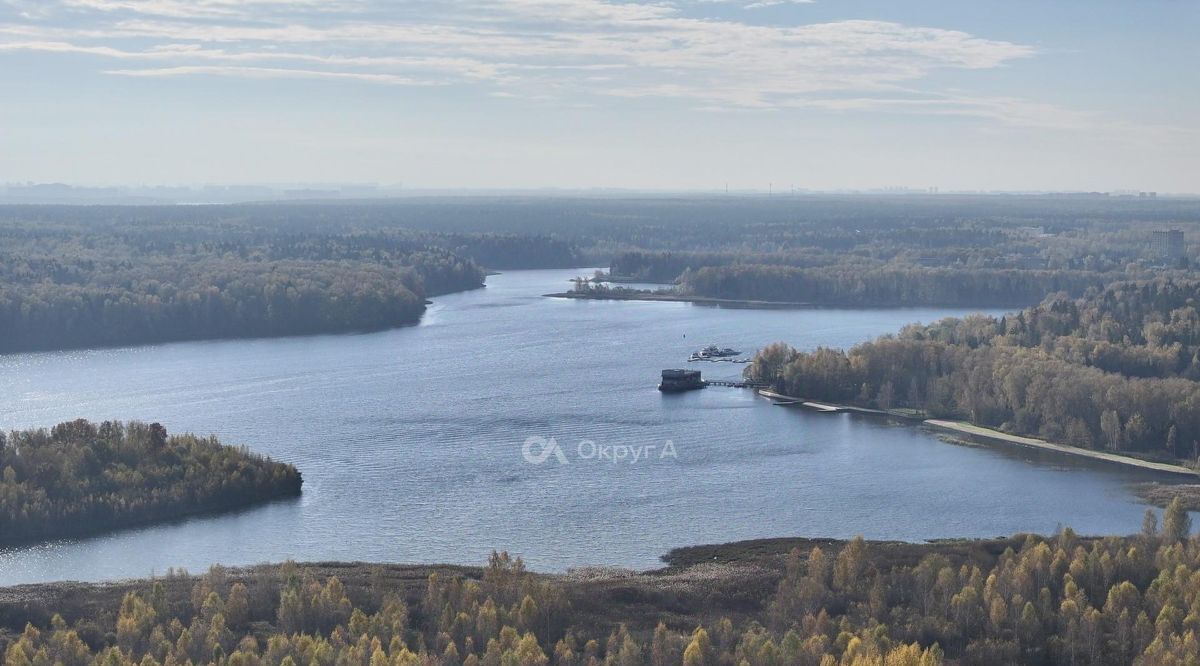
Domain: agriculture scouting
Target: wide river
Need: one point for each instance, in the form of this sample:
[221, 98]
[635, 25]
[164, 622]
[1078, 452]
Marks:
[413, 442]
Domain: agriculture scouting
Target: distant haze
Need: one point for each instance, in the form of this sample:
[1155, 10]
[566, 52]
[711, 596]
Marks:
[675, 95]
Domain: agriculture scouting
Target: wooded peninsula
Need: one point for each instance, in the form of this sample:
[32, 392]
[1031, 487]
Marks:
[80, 478]
[1114, 370]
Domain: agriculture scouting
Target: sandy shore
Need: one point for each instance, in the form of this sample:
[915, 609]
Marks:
[963, 428]
[988, 433]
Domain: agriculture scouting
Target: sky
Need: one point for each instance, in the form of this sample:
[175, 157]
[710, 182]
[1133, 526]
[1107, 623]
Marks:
[672, 95]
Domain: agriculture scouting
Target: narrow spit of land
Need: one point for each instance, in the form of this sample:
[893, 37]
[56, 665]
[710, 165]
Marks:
[828, 407]
[988, 433]
[972, 430]
[634, 295]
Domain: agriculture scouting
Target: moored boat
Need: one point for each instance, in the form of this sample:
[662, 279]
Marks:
[712, 352]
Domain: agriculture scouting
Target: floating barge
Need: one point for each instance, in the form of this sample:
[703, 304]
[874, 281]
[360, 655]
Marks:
[677, 381]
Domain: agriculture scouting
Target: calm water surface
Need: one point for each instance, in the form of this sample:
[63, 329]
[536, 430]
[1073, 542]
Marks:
[411, 442]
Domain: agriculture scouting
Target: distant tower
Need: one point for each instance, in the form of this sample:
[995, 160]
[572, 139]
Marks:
[1168, 245]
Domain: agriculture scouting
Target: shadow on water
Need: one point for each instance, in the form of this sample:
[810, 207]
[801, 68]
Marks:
[151, 526]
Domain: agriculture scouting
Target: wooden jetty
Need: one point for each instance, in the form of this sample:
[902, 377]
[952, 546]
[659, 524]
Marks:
[736, 384]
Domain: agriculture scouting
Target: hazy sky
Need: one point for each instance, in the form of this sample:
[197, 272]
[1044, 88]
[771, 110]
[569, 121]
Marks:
[688, 94]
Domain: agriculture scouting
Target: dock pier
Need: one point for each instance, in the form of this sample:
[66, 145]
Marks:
[675, 381]
[736, 384]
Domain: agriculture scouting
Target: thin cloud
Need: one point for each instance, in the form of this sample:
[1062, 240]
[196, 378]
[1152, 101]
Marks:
[759, 4]
[773, 3]
[267, 73]
[516, 48]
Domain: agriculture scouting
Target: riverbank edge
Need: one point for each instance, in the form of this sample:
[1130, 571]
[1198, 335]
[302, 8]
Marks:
[1162, 494]
[628, 279]
[630, 295]
[755, 561]
[995, 436]
[673, 298]
[171, 340]
[962, 427]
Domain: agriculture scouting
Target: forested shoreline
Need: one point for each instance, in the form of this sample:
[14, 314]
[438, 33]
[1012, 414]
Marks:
[81, 478]
[106, 282]
[884, 287]
[924, 252]
[1116, 370]
[1063, 599]
[90, 276]
[906, 262]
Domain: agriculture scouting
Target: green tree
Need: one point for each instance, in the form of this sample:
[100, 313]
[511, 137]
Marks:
[1177, 524]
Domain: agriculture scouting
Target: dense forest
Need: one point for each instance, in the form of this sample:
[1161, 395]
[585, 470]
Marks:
[969, 262]
[82, 276]
[850, 284]
[80, 477]
[108, 282]
[1118, 369]
[602, 227]
[1030, 600]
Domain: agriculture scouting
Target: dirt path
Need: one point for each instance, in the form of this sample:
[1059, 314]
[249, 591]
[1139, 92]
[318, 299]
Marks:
[977, 431]
[995, 435]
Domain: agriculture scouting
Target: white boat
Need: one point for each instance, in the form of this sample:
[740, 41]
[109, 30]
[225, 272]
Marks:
[713, 351]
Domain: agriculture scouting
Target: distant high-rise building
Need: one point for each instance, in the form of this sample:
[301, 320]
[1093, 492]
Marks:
[1169, 244]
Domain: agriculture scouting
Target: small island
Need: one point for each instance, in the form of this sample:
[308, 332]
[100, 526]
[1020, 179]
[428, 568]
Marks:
[596, 289]
[81, 478]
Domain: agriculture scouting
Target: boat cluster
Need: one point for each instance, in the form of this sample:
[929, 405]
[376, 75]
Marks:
[715, 353]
